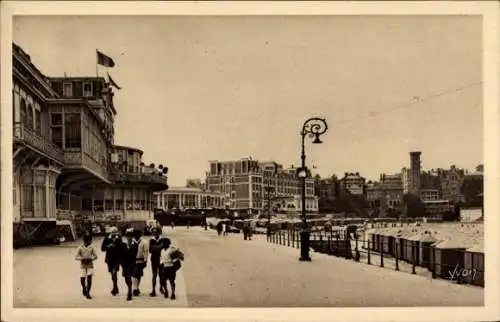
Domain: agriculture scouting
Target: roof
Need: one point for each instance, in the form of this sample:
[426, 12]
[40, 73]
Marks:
[189, 189]
[122, 147]
[478, 247]
[77, 78]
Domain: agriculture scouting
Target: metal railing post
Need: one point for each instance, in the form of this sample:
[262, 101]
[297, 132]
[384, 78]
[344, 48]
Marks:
[357, 254]
[414, 259]
[368, 253]
[397, 256]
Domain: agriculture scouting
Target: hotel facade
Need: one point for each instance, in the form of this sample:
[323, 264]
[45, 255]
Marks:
[248, 186]
[66, 168]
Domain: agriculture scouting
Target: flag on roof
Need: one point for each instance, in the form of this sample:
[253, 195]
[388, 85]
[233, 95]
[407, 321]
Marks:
[104, 60]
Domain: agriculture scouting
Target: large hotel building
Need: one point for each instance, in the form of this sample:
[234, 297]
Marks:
[248, 185]
[67, 171]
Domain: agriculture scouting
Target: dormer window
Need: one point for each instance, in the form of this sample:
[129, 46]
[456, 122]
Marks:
[87, 89]
[67, 89]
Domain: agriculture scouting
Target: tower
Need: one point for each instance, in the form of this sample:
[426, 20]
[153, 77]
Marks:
[415, 168]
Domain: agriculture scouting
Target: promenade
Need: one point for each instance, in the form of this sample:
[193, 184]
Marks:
[231, 272]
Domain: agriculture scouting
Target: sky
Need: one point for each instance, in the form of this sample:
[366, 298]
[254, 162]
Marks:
[196, 89]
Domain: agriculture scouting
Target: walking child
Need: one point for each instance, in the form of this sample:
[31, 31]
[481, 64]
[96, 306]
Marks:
[112, 245]
[155, 247]
[170, 263]
[141, 261]
[86, 255]
[128, 259]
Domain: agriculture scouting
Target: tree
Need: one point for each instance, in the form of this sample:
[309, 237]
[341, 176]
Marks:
[472, 188]
[414, 206]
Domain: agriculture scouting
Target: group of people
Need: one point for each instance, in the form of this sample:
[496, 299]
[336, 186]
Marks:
[131, 253]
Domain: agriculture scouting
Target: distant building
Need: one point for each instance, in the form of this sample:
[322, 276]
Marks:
[389, 195]
[187, 198]
[451, 181]
[405, 180]
[327, 188]
[415, 170]
[430, 195]
[392, 179]
[437, 207]
[353, 184]
[242, 183]
[430, 180]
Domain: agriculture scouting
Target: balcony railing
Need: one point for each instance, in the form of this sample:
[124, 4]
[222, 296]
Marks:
[138, 177]
[37, 141]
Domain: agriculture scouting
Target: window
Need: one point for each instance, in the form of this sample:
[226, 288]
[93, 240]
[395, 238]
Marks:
[67, 89]
[56, 129]
[108, 205]
[29, 117]
[87, 89]
[38, 121]
[24, 112]
[72, 130]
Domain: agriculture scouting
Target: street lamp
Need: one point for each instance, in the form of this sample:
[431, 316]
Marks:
[268, 190]
[314, 128]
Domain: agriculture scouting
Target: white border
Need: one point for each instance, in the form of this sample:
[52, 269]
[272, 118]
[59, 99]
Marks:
[490, 12]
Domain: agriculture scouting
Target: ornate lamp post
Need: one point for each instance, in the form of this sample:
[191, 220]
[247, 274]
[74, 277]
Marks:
[269, 190]
[314, 127]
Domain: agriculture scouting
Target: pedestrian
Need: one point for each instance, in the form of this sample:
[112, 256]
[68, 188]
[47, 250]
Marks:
[140, 262]
[224, 228]
[188, 224]
[112, 245]
[245, 231]
[86, 254]
[128, 258]
[155, 247]
[172, 224]
[219, 228]
[249, 233]
[170, 262]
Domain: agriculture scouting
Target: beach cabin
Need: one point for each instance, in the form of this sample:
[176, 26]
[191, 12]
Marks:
[449, 255]
[474, 264]
[408, 245]
[425, 249]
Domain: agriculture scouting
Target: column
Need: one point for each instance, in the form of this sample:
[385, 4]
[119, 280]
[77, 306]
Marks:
[179, 200]
[33, 192]
[47, 194]
[198, 205]
[93, 194]
[124, 203]
[132, 198]
[113, 191]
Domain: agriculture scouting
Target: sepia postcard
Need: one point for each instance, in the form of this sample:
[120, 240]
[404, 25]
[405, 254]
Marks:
[250, 161]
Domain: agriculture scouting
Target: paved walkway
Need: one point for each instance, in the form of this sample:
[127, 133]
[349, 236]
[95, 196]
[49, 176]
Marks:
[50, 277]
[231, 272]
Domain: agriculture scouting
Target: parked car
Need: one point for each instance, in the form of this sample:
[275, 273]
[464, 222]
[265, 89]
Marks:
[232, 229]
[107, 229]
[96, 229]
